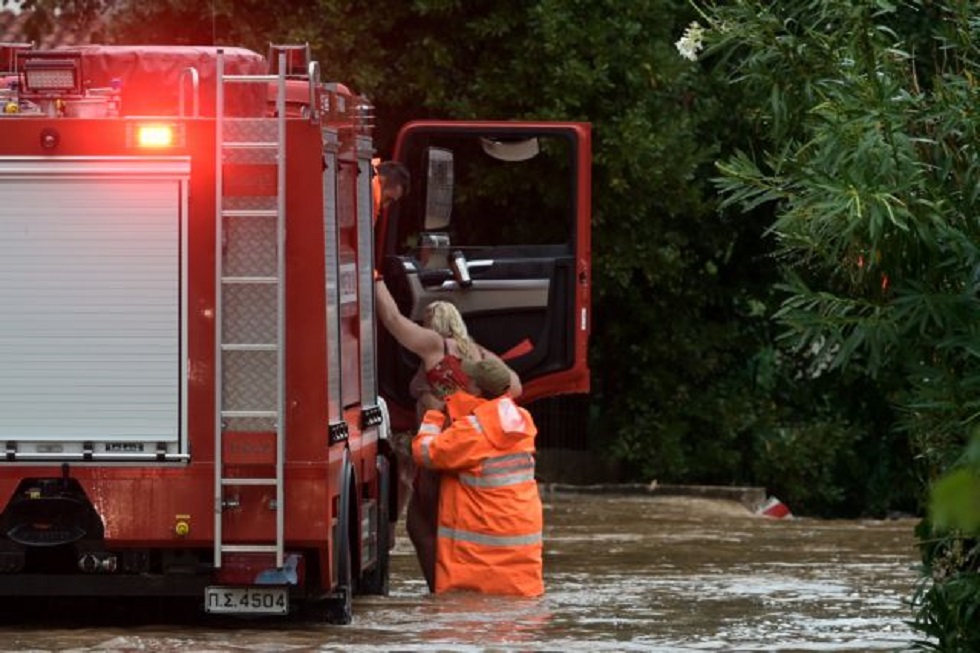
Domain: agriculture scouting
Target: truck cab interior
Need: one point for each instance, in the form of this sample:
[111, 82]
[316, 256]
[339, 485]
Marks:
[497, 222]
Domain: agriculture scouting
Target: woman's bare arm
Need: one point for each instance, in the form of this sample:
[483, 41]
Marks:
[424, 343]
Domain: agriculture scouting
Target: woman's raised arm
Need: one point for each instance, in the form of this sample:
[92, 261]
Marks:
[424, 343]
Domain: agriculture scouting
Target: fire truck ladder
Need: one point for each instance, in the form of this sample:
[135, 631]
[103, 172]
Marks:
[250, 298]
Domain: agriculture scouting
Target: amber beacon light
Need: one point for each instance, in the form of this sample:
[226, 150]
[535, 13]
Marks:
[155, 135]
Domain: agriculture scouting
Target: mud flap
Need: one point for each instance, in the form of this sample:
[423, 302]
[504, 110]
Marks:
[375, 581]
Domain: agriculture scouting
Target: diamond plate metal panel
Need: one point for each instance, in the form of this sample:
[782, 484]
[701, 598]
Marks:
[249, 203]
[251, 141]
[250, 247]
[250, 156]
[257, 130]
[249, 380]
[249, 314]
[246, 424]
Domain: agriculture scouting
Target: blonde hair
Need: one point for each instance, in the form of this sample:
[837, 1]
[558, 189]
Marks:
[445, 319]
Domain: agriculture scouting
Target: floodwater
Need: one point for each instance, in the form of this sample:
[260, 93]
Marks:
[623, 573]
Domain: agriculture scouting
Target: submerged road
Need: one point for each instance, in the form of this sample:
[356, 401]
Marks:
[623, 573]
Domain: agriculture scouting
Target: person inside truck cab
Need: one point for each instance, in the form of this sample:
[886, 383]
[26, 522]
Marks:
[490, 518]
[442, 345]
[389, 184]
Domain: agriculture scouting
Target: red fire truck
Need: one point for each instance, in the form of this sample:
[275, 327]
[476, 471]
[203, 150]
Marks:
[191, 380]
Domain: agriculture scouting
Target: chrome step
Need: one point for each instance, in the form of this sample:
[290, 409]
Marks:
[248, 481]
[256, 346]
[262, 280]
[249, 414]
[248, 548]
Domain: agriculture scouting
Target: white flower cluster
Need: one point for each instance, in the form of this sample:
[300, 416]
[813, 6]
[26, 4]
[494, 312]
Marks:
[692, 42]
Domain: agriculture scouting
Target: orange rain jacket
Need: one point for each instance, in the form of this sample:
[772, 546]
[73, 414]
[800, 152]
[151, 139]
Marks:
[376, 188]
[490, 515]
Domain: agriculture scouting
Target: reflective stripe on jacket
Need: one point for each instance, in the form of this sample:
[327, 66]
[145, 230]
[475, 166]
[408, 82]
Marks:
[490, 516]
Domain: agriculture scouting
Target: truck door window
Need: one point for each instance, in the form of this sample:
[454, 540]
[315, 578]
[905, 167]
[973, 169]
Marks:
[507, 191]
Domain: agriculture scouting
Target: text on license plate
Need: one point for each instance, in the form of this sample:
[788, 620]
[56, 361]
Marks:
[249, 600]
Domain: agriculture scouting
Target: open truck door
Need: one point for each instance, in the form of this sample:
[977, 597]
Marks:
[498, 223]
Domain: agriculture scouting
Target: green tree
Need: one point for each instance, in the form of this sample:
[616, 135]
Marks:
[869, 162]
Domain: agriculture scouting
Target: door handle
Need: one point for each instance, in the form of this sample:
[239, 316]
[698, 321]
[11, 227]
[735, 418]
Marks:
[461, 270]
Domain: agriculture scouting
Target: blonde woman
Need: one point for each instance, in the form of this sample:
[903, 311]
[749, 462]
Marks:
[431, 385]
[442, 344]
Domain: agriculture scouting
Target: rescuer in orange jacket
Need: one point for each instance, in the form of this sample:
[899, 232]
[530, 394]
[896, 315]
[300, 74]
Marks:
[490, 515]
[389, 184]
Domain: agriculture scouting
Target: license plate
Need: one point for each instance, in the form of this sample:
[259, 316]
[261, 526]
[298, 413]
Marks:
[246, 600]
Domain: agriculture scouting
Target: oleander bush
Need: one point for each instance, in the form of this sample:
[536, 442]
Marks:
[868, 158]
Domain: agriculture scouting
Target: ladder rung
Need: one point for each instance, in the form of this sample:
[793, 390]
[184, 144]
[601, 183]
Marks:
[249, 481]
[262, 280]
[250, 145]
[249, 414]
[250, 213]
[249, 548]
[250, 78]
[249, 346]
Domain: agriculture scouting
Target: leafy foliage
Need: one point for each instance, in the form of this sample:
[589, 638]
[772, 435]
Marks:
[948, 597]
[869, 163]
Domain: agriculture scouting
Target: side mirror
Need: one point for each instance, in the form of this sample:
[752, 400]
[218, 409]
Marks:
[438, 189]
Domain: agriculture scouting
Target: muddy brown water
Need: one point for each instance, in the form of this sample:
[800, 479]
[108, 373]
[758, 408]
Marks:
[623, 573]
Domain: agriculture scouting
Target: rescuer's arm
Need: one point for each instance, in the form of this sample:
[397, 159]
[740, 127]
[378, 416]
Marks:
[452, 449]
[424, 343]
